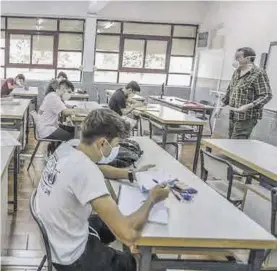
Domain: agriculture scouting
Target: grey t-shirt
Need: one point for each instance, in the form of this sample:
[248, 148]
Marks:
[69, 182]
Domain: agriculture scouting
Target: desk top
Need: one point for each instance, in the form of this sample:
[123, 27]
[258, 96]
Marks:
[7, 152]
[31, 92]
[10, 111]
[181, 103]
[255, 154]
[110, 92]
[209, 221]
[90, 105]
[167, 115]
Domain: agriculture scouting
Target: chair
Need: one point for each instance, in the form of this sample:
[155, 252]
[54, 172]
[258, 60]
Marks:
[43, 232]
[208, 112]
[34, 117]
[222, 181]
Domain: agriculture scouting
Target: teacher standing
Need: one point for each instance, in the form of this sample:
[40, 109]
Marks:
[247, 93]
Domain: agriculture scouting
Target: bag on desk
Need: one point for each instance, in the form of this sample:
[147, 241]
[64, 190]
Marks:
[129, 153]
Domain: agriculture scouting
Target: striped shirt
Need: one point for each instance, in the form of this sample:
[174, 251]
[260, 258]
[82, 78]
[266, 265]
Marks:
[252, 87]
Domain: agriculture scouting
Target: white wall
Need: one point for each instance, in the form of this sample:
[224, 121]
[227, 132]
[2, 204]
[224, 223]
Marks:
[248, 23]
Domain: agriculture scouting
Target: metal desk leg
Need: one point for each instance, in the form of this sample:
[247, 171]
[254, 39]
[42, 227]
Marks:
[255, 260]
[145, 259]
[15, 175]
[27, 125]
[164, 136]
[197, 147]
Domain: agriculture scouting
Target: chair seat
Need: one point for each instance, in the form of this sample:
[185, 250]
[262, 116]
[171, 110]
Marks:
[238, 168]
[221, 186]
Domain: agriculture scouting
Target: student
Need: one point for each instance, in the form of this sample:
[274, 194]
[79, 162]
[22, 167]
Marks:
[122, 98]
[50, 109]
[247, 93]
[62, 76]
[72, 185]
[12, 83]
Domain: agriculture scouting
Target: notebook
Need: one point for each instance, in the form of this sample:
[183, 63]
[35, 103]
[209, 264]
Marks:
[131, 199]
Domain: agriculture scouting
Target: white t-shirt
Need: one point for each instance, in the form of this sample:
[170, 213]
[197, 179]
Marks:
[69, 182]
[48, 114]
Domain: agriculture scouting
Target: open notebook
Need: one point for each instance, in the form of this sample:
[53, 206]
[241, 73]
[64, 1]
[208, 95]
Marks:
[131, 199]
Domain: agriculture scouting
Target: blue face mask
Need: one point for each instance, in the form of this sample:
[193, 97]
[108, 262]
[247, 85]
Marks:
[113, 154]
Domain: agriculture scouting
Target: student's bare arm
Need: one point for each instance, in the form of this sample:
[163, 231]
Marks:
[127, 228]
[72, 111]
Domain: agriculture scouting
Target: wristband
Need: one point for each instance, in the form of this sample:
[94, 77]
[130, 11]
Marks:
[131, 176]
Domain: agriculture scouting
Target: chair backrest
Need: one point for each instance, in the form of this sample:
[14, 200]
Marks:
[217, 168]
[42, 230]
[34, 116]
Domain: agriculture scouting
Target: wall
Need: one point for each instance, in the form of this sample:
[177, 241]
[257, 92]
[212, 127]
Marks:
[250, 24]
[152, 11]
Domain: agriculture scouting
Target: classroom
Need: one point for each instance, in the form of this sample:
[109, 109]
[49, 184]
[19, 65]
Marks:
[138, 135]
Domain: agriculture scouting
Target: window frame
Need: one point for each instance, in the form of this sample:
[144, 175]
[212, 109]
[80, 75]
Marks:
[169, 40]
[56, 50]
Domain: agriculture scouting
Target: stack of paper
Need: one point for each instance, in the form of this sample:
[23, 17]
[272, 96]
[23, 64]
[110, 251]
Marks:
[131, 199]
[146, 179]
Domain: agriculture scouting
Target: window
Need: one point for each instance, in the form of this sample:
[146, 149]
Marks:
[41, 47]
[150, 53]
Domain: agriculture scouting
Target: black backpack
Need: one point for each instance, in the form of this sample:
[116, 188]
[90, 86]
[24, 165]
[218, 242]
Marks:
[129, 153]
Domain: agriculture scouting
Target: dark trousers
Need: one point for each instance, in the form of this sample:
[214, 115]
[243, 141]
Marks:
[63, 133]
[98, 256]
[241, 129]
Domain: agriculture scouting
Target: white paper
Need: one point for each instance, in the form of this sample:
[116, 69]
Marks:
[145, 178]
[8, 140]
[131, 199]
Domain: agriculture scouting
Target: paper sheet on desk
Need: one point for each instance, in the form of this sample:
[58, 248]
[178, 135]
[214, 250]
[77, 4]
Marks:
[131, 199]
[8, 140]
[145, 178]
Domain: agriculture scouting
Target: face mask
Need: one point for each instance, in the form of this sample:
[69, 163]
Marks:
[113, 154]
[235, 64]
[66, 96]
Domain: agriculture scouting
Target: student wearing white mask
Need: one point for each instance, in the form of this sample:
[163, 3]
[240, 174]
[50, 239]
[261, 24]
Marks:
[11, 83]
[52, 107]
[72, 185]
[247, 93]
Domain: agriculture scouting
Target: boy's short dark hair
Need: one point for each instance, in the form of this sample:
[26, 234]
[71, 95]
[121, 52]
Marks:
[62, 74]
[20, 77]
[247, 51]
[67, 83]
[134, 86]
[103, 123]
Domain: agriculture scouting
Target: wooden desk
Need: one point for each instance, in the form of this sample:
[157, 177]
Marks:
[7, 153]
[170, 117]
[79, 96]
[18, 114]
[110, 92]
[30, 93]
[208, 223]
[254, 154]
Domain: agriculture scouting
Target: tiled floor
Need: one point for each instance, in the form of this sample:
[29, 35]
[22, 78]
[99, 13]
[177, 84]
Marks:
[24, 247]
